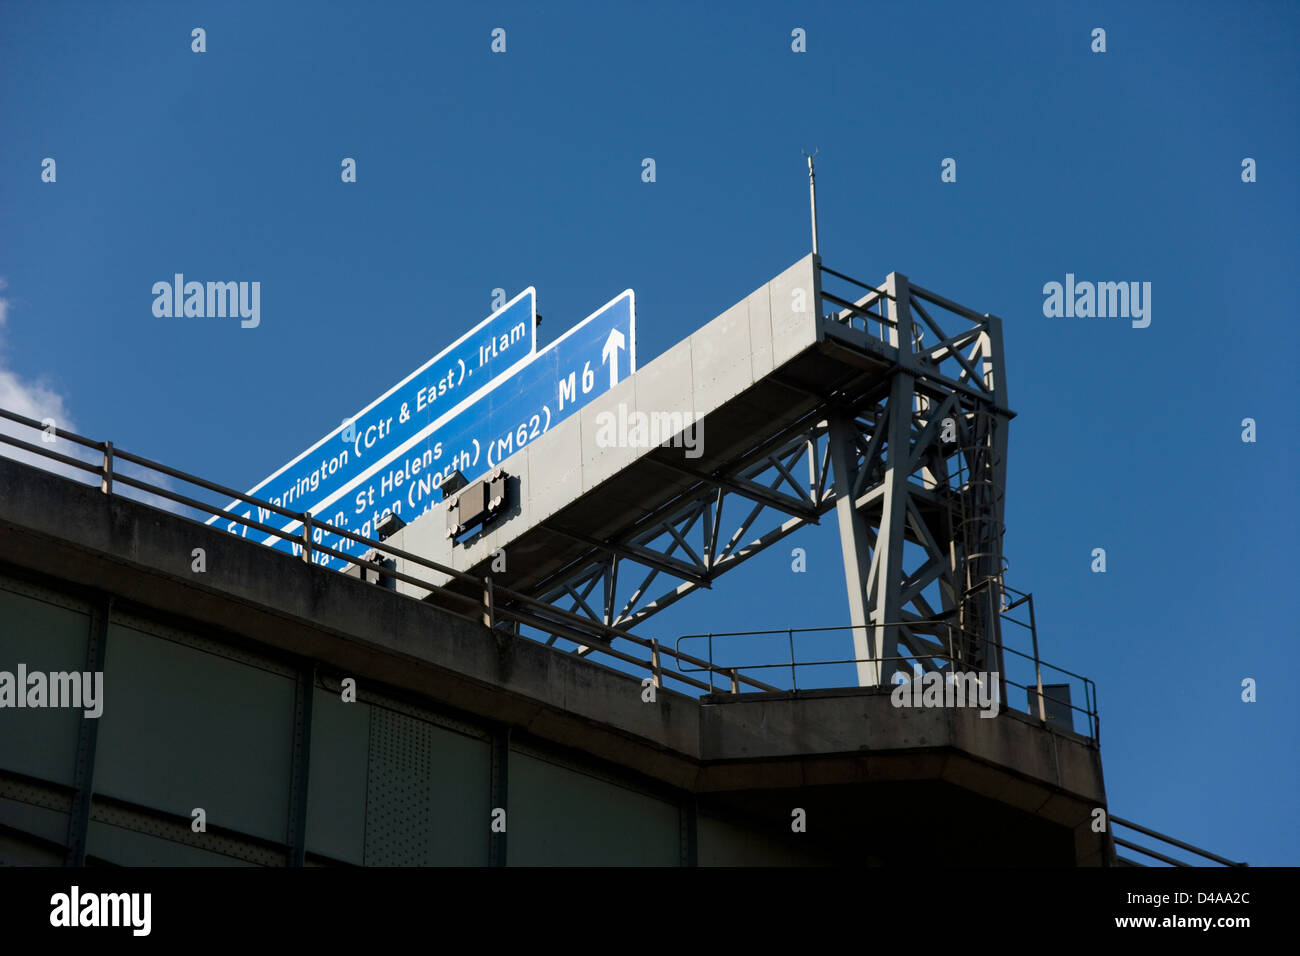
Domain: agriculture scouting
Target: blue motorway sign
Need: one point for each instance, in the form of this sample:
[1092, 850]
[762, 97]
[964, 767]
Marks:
[476, 434]
[504, 340]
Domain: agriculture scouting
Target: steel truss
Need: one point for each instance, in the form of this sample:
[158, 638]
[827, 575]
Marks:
[913, 461]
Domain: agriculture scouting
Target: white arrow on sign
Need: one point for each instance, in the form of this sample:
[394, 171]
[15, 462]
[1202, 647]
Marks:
[610, 354]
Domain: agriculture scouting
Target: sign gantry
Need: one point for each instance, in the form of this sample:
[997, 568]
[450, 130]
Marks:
[895, 418]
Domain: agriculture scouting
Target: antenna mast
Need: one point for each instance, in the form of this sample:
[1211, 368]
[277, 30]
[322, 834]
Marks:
[812, 197]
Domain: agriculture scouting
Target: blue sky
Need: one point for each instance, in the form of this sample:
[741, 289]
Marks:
[478, 171]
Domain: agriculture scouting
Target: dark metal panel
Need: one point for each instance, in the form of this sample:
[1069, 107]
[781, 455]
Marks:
[690, 832]
[299, 783]
[87, 739]
[340, 756]
[398, 805]
[564, 817]
[125, 846]
[426, 790]
[32, 811]
[44, 635]
[499, 796]
[108, 814]
[185, 729]
[219, 644]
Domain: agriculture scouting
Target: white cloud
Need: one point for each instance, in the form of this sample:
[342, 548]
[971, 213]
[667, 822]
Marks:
[36, 400]
[40, 401]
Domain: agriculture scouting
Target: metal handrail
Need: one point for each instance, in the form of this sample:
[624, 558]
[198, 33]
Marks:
[849, 309]
[915, 292]
[1090, 691]
[883, 293]
[1171, 841]
[569, 625]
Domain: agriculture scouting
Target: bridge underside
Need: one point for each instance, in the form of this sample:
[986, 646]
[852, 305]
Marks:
[223, 691]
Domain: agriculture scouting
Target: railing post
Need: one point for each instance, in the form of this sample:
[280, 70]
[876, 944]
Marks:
[655, 670]
[1038, 670]
[794, 683]
[306, 536]
[735, 684]
[489, 607]
[710, 662]
[106, 470]
[1096, 716]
